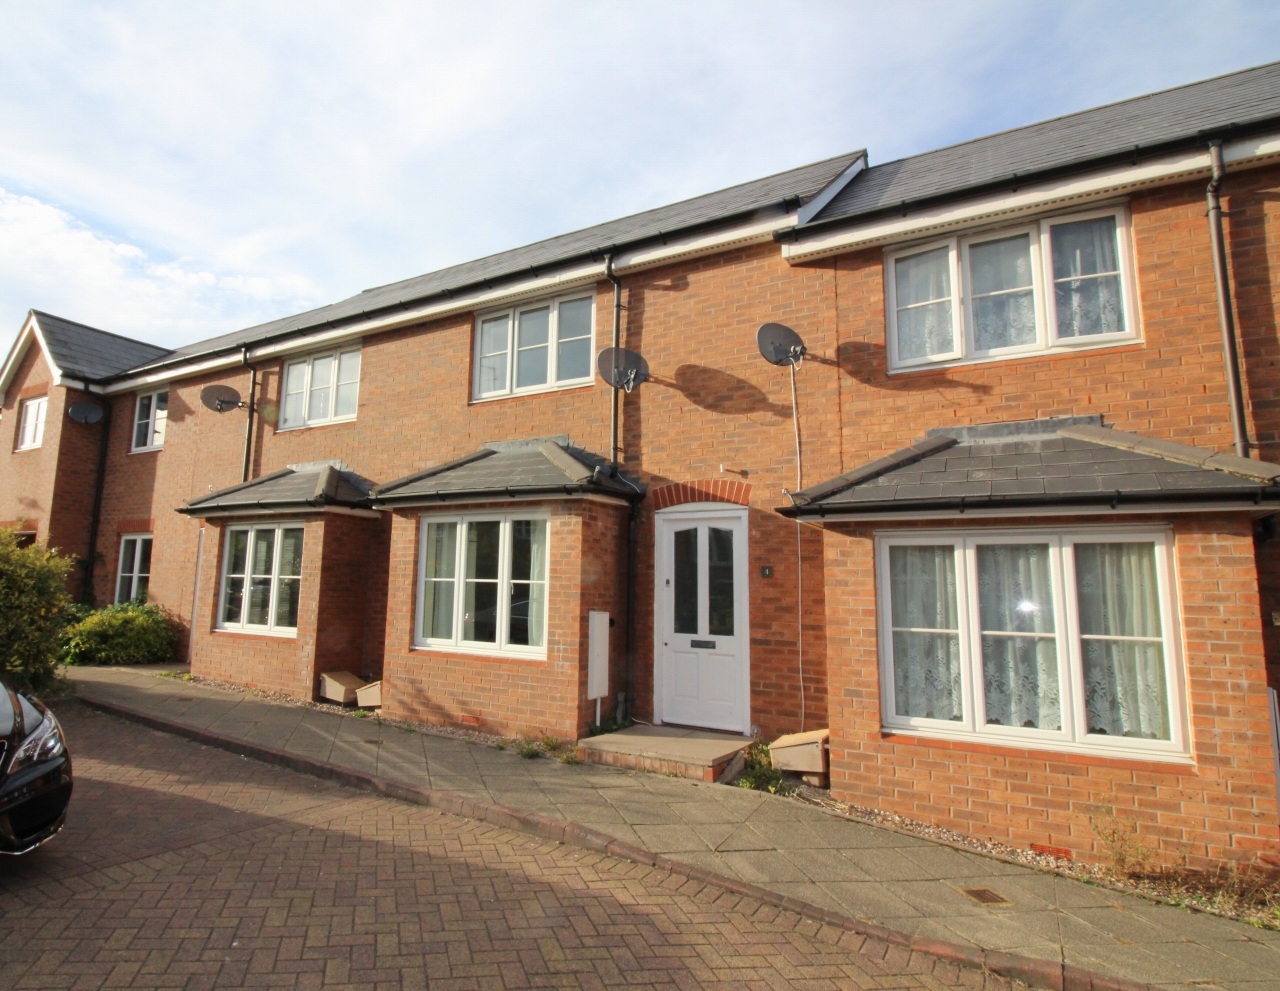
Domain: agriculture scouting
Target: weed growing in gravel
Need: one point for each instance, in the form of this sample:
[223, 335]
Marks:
[360, 714]
[1118, 835]
[569, 757]
[531, 750]
[760, 774]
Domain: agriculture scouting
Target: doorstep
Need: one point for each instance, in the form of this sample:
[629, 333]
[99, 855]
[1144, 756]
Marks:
[702, 755]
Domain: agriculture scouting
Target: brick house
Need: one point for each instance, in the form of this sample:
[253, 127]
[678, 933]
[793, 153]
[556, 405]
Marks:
[1016, 547]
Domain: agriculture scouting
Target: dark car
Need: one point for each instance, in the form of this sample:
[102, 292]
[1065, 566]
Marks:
[35, 773]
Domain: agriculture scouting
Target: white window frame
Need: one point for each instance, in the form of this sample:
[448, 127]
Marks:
[270, 629]
[1047, 339]
[309, 361]
[553, 337]
[150, 421]
[38, 408]
[1073, 736]
[457, 645]
[135, 574]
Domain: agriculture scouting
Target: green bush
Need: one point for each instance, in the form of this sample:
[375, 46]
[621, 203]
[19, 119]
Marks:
[33, 611]
[130, 633]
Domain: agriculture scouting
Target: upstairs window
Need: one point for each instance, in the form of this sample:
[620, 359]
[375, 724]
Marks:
[262, 579]
[321, 388]
[1059, 284]
[135, 568]
[535, 348]
[31, 424]
[149, 421]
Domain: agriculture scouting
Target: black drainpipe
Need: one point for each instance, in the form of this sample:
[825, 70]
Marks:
[623, 710]
[86, 593]
[248, 427]
[1226, 315]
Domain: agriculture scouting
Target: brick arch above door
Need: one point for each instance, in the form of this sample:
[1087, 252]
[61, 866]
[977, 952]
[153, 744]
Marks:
[702, 490]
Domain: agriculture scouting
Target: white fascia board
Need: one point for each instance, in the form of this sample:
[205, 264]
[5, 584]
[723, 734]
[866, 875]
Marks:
[1032, 199]
[566, 279]
[986, 512]
[30, 331]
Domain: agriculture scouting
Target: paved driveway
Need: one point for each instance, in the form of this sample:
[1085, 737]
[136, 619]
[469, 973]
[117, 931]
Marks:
[188, 867]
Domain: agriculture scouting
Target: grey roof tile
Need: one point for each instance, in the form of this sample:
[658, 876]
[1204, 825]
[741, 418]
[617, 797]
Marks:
[85, 352]
[306, 488]
[1049, 467]
[1015, 156]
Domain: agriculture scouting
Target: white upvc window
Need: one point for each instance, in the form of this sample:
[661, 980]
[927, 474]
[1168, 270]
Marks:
[1046, 639]
[1054, 285]
[482, 583]
[536, 347]
[320, 388]
[31, 423]
[149, 420]
[134, 574]
[261, 578]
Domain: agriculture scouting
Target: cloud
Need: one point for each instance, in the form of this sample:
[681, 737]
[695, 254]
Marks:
[264, 158]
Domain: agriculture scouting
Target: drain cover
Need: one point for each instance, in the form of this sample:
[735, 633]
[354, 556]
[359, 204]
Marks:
[986, 896]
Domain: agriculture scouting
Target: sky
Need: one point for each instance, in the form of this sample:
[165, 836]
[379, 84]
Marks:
[176, 171]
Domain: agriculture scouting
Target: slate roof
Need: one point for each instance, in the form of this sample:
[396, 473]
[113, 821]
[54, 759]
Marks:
[1123, 131]
[544, 466]
[1061, 462]
[795, 186]
[302, 488]
[87, 353]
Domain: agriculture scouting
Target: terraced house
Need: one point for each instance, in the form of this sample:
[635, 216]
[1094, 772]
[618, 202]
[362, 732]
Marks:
[1012, 536]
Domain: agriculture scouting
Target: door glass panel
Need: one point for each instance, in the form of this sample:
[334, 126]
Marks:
[261, 557]
[573, 358]
[528, 585]
[1004, 313]
[720, 581]
[480, 608]
[321, 383]
[686, 581]
[1086, 278]
[532, 347]
[1019, 648]
[142, 431]
[493, 355]
[440, 560]
[926, 632]
[923, 284]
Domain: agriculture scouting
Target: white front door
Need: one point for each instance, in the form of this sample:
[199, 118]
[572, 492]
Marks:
[702, 659]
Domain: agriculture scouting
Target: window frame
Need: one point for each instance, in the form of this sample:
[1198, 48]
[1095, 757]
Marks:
[1047, 339]
[36, 402]
[512, 313]
[500, 647]
[135, 574]
[271, 629]
[151, 420]
[309, 360]
[1073, 736]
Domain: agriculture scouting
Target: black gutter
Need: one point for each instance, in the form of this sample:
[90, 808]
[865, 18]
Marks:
[507, 492]
[1115, 500]
[1226, 315]
[617, 343]
[248, 426]
[292, 506]
[86, 593]
[1012, 182]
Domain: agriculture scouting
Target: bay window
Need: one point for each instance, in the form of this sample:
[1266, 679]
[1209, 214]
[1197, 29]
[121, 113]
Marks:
[321, 388]
[1050, 639]
[261, 578]
[149, 420]
[1057, 284]
[534, 348]
[482, 583]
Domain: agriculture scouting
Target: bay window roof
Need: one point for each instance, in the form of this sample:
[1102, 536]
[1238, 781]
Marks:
[304, 488]
[1055, 464]
[544, 466]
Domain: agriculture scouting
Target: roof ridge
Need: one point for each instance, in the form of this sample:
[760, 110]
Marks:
[1188, 454]
[246, 484]
[1077, 113]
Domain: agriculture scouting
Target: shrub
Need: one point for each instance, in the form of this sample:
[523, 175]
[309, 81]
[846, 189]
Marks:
[129, 633]
[33, 611]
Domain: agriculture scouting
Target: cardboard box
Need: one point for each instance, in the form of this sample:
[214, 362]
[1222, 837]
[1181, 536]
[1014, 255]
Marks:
[370, 696]
[803, 752]
[340, 686]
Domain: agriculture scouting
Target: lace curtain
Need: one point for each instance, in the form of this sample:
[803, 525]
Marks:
[926, 632]
[922, 286]
[1019, 647]
[1119, 602]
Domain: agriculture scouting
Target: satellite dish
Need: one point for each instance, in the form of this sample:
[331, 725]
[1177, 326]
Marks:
[779, 344]
[85, 412]
[622, 368]
[220, 398]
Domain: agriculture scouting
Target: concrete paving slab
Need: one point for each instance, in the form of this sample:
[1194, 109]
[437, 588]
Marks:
[744, 838]
[941, 861]
[670, 839]
[763, 866]
[888, 864]
[871, 899]
[827, 865]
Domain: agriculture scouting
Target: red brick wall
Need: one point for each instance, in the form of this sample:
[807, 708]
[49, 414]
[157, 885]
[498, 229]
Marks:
[1223, 807]
[27, 493]
[344, 587]
[516, 696]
